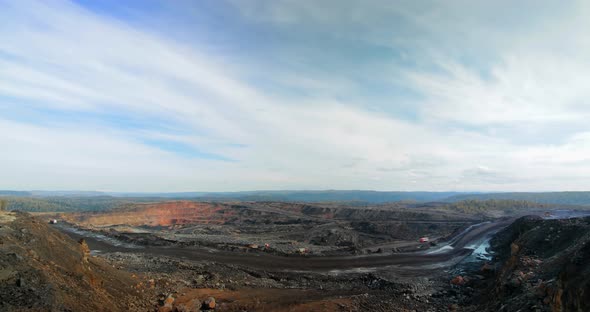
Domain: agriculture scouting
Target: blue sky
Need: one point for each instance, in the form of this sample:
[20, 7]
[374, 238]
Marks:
[244, 95]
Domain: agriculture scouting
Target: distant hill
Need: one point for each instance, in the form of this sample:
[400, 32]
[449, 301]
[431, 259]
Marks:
[40, 201]
[299, 195]
[332, 196]
[64, 204]
[14, 193]
[66, 193]
[64, 201]
[559, 198]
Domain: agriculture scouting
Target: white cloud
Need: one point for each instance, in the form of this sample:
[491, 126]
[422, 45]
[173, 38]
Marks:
[58, 56]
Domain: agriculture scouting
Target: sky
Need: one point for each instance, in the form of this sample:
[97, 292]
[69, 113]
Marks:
[232, 95]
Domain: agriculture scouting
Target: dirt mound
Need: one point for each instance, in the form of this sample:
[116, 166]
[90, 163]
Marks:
[43, 270]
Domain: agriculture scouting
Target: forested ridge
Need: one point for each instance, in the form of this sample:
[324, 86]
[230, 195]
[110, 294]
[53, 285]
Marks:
[558, 198]
[472, 206]
[62, 204]
[92, 200]
[101, 203]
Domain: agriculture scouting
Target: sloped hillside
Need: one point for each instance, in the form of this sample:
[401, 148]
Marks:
[44, 270]
[545, 266]
[556, 198]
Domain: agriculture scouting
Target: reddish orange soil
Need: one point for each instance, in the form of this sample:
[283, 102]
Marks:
[158, 214]
[281, 300]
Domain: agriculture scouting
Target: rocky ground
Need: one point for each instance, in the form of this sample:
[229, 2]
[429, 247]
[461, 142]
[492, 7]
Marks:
[537, 265]
[42, 269]
[281, 228]
[540, 265]
[244, 289]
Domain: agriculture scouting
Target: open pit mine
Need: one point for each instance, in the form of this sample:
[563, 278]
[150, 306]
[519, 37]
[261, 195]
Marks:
[277, 256]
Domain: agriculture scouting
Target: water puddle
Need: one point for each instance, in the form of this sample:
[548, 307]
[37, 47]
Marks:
[480, 251]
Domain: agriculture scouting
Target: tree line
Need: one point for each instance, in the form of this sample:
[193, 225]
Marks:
[473, 206]
[60, 204]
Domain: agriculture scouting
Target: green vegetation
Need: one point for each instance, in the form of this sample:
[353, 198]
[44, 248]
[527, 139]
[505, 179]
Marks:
[557, 198]
[14, 193]
[63, 204]
[352, 197]
[478, 205]
[508, 206]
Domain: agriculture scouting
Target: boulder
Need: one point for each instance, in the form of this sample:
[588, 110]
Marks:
[209, 303]
[169, 301]
[458, 280]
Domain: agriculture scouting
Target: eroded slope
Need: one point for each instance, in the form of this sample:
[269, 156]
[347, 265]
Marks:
[42, 269]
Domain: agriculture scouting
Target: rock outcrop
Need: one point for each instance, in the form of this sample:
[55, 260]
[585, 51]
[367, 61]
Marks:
[543, 266]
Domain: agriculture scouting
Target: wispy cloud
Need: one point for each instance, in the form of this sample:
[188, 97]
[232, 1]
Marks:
[302, 96]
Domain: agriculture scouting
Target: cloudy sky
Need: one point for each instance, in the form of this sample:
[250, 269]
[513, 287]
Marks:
[219, 95]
